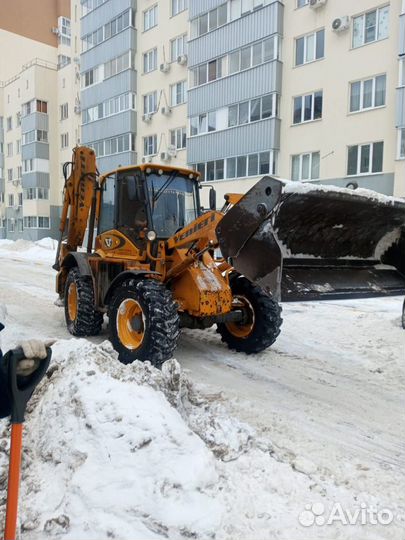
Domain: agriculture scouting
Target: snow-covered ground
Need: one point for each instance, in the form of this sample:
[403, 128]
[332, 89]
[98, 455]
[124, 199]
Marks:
[217, 444]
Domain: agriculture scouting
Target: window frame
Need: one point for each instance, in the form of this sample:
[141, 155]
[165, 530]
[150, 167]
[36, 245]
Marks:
[363, 15]
[302, 97]
[304, 53]
[373, 94]
[310, 166]
[371, 156]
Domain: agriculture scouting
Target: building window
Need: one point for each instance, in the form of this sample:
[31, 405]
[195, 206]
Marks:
[117, 65]
[20, 225]
[114, 145]
[11, 200]
[35, 105]
[178, 6]
[305, 166]
[208, 72]
[20, 199]
[64, 140]
[10, 225]
[36, 222]
[150, 145]
[150, 60]
[64, 111]
[63, 61]
[302, 3]
[36, 193]
[89, 5]
[114, 105]
[371, 26]
[108, 30]
[9, 123]
[9, 149]
[35, 135]
[209, 21]
[368, 94]
[308, 108]
[401, 143]
[93, 76]
[365, 159]
[178, 138]
[10, 175]
[239, 167]
[239, 60]
[235, 115]
[150, 18]
[178, 93]
[64, 30]
[19, 172]
[18, 119]
[150, 103]
[178, 47]
[309, 48]
[43, 222]
[28, 165]
[18, 146]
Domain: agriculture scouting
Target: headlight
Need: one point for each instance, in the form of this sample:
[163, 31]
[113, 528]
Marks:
[151, 236]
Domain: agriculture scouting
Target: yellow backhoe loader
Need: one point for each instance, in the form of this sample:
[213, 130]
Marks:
[149, 257]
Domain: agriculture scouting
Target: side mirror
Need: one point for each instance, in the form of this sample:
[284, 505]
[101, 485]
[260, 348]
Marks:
[213, 199]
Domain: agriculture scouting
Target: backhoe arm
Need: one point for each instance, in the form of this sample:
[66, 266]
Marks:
[79, 199]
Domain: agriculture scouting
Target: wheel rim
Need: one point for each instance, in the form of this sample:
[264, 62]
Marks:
[130, 324]
[72, 302]
[242, 330]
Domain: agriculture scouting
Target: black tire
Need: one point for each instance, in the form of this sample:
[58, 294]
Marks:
[88, 321]
[403, 315]
[160, 322]
[265, 321]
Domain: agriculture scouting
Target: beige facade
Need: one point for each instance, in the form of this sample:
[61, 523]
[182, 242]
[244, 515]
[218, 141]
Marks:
[344, 62]
[162, 92]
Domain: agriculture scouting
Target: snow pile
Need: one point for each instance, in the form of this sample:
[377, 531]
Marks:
[109, 452]
[307, 187]
[131, 452]
[43, 251]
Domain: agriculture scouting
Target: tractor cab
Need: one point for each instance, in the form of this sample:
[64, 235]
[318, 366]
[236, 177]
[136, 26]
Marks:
[138, 199]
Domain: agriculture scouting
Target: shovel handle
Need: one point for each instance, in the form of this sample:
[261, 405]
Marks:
[10, 529]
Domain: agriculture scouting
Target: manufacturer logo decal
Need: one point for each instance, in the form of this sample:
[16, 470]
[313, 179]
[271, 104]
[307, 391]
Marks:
[108, 242]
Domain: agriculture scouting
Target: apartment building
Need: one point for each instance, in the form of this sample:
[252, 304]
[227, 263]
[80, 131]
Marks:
[341, 107]
[306, 89]
[162, 81]
[235, 88]
[134, 81]
[35, 74]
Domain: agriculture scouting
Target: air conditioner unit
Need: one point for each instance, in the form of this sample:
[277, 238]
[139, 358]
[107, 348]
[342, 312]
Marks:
[76, 59]
[315, 4]
[77, 109]
[166, 111]
[165, 67]
[165, 156]
[172, 150]
[147, 118]
[55, 30]
[341, 24]
[182, 60]
[147, 159]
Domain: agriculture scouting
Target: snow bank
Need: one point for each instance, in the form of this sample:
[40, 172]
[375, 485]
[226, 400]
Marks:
[131, 452]
[307, 187]
[42, 251]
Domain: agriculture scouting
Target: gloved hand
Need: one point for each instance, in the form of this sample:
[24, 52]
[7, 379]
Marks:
[34, 351]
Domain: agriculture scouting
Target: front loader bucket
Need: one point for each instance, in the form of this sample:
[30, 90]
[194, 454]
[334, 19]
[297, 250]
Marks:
[317, 242]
